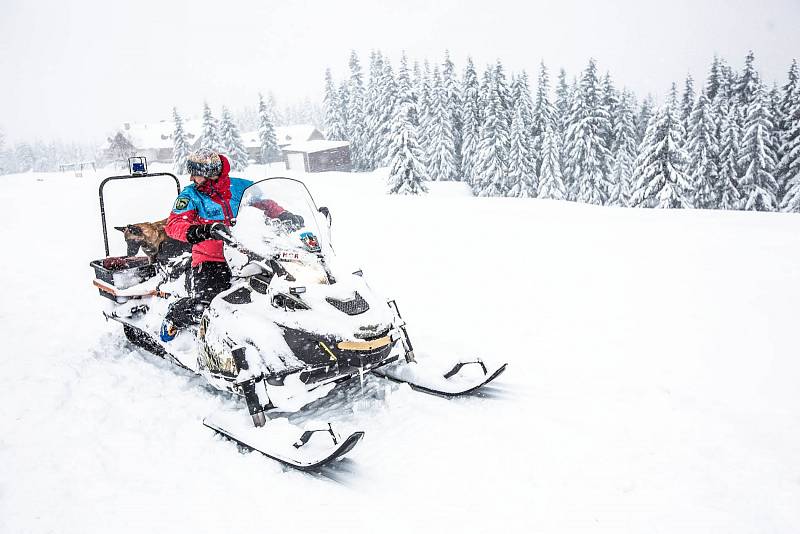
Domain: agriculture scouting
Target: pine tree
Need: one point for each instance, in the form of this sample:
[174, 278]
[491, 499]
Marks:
[748, 83]
[231, 141]
[453, 105]
[623, 152]
[180, 148]
[551, 181]
[521, 172]
[609, 100]
[490, 176]
[209, 137]
[587, 153]
[687, 101]
[356, 127]
[470, 121]
[544, 114]
[269, 150]
[702, 148]
[381, 121]
[728, 194]
[441, 161]
[335, 127]
[659, 174]
[371, 110]
[406, 172]
[714, 79]
[643, 119]
[757, 156]
[787, 129]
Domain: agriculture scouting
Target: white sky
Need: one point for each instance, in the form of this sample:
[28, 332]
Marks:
[77, 69]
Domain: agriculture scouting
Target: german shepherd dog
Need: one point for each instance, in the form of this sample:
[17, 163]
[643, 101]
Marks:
[153, 240]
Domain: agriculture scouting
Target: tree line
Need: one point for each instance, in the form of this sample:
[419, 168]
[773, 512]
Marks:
[731, 143]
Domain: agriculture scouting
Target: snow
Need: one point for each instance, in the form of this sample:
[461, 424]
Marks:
[651, 387]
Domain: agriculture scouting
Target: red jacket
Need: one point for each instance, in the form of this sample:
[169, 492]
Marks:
[214, 201]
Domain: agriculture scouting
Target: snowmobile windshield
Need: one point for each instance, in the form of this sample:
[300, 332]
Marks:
[278, 219]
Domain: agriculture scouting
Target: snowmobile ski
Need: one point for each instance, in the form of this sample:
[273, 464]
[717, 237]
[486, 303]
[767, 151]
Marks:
[278, 440]
[440, 384]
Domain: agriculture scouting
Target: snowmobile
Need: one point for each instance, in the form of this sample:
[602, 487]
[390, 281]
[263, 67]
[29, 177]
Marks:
[293, 326]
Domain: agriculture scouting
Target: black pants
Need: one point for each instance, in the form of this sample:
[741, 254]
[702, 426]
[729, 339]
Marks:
[208, 280]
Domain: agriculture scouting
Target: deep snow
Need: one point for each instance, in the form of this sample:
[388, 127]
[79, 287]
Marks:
[652, 385]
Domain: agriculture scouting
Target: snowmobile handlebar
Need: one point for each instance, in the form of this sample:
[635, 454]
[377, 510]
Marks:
[272, 263]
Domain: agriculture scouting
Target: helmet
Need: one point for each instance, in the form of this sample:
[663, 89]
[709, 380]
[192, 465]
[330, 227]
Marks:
[204, 162]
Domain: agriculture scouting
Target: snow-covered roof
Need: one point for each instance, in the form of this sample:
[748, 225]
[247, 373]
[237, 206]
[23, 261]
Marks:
[146, 135]
[318, 145]
[283, 134]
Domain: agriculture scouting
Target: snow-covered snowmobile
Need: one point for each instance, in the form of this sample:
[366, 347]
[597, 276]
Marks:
[292, 326]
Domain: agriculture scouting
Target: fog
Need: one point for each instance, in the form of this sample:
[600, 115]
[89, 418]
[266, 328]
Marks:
[76, 70]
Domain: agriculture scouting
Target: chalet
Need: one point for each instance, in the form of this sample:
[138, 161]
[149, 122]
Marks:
[285, 135]
[303, 146]
[318, 156]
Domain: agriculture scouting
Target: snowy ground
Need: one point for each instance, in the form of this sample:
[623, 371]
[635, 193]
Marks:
[652, 385]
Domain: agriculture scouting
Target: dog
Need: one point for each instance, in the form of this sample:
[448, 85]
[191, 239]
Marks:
[153, 240]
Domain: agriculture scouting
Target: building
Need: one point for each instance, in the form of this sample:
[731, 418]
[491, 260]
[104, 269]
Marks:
[318, 156]
[285, 135]
[154, 140]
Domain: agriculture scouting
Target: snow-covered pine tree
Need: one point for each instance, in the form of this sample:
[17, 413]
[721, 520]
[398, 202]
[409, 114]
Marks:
[551, 181]
[702, 147]
[490, 175]
[503, 92]
[406, 171]
[687, 101]
[232, 145]
[757, 156]
[453, 101]
[470, 121]
[180, 148]
[335, 129]
[544, 114]
[787, 127]
[269, 150]
[610, 102]
[441, 161]
[624, 152]
[356, 127]
[748, 83]
[381, 121]
[371, 109]
[209, 136]
[521, 173]
[728, 194]
[587, 156]
[643, 118]
[660, 174]
[714, 79]
[425, 97]
[789, 165]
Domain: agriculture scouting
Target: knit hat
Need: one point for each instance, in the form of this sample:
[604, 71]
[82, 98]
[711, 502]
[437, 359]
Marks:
[204, 162]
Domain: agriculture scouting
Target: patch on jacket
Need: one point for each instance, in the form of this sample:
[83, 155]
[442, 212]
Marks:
[181, 203]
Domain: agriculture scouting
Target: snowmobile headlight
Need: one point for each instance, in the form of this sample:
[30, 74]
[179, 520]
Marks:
[297, 290]
[288, 302]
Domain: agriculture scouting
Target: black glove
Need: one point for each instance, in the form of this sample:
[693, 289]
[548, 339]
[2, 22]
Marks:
[295, 220]
[202, 232]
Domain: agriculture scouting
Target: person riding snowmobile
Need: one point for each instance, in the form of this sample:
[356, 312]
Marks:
[203, 210]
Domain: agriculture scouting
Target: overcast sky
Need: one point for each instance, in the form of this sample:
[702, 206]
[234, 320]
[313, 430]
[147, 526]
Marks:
[76, 69]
